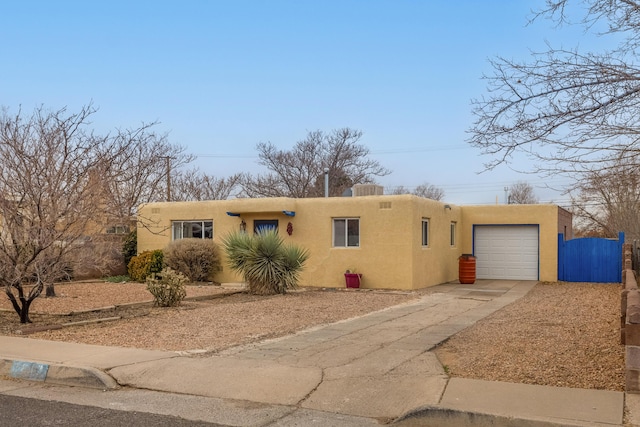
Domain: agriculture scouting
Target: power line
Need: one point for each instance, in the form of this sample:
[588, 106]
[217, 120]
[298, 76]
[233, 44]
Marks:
[382, 151]
[420, 150]
[227, 156]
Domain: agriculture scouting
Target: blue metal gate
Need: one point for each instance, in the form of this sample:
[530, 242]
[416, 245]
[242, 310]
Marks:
[590, 259]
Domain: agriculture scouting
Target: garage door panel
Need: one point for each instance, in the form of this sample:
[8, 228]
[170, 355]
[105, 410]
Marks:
[506, 252]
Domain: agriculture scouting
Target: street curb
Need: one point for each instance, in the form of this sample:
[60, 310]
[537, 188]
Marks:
[57, 374]
[433, 416]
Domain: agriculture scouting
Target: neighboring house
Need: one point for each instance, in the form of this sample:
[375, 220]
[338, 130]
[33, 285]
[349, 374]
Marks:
[396, 242]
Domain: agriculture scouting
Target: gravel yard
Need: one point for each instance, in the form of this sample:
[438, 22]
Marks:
[211, 324]
[559, 334]
[562, 335]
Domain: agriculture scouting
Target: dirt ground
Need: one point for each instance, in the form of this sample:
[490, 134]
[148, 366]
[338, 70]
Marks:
[225, 319]
[563, 334]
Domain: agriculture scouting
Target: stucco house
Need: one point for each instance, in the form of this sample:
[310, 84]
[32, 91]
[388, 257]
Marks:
[394, 241]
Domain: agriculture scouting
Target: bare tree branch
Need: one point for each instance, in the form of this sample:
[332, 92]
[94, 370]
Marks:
[195, 185]
[570, 112]
[522, 193]
[48, 201]
[300, 171]
[60, 186]
[135, 169]
[607, 201]
[425, 190]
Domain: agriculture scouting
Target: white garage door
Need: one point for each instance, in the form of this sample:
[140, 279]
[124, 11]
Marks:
[506, 252]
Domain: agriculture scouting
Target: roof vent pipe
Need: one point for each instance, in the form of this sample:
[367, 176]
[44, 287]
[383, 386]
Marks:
[326, 182]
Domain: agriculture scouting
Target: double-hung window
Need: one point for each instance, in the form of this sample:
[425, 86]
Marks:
[346, 232]
[192, 229]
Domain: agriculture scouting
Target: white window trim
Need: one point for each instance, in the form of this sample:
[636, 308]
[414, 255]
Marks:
[201, 221]
[346, 232]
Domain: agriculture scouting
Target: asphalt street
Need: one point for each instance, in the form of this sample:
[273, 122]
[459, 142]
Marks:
[77, 406]
[28, 412]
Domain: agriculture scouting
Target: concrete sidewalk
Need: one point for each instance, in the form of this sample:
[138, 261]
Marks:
[377, 366]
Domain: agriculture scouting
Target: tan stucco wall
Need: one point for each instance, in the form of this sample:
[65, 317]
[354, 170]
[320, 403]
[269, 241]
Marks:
[390, 255]
[546, 216]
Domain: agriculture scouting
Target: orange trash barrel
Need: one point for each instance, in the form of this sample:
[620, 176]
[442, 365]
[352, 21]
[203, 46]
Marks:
[467, 269]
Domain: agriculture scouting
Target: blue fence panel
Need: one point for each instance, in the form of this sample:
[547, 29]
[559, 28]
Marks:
[590, 259]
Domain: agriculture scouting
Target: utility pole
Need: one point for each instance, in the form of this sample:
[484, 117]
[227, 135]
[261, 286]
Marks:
[168, 159]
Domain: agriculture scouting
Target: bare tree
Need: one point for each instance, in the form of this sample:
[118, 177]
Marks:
[522, 193]
[62, 187]
[608, 201]
[195, 185]
[48, 202]
[426, 190]
[300, 172]
[570, 111]
[139, 169]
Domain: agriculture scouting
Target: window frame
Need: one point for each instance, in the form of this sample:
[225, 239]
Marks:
[203, 227]
[425, 232]
[260, 224]
[452, 234]
[345, 241]
[118, 229]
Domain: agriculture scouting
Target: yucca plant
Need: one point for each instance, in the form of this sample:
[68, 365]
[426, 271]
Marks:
[268, 265]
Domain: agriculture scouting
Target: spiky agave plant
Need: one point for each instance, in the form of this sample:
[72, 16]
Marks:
[268, 265]
[293, 258]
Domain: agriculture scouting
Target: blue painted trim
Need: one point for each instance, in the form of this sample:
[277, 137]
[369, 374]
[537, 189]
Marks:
[29, 370]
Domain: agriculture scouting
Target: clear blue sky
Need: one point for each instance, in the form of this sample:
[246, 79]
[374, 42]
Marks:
[222, 76]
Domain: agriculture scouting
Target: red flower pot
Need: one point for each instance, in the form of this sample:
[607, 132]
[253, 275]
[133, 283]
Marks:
[353, 279]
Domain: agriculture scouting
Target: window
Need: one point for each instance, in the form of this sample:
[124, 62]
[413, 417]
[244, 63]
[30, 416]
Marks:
[192, 229]
[118, 229]
[425, 232]
[265, 224]
[453, 234]
[346, 232]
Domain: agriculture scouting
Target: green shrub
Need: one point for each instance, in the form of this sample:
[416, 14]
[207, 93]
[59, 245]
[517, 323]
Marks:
[144, 265]
[269, 266]
[130, 246]
[167, 287]
[198, 259]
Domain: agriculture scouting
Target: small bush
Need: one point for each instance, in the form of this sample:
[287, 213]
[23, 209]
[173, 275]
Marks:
[198, 259]
[167, 287]
[144, 265]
